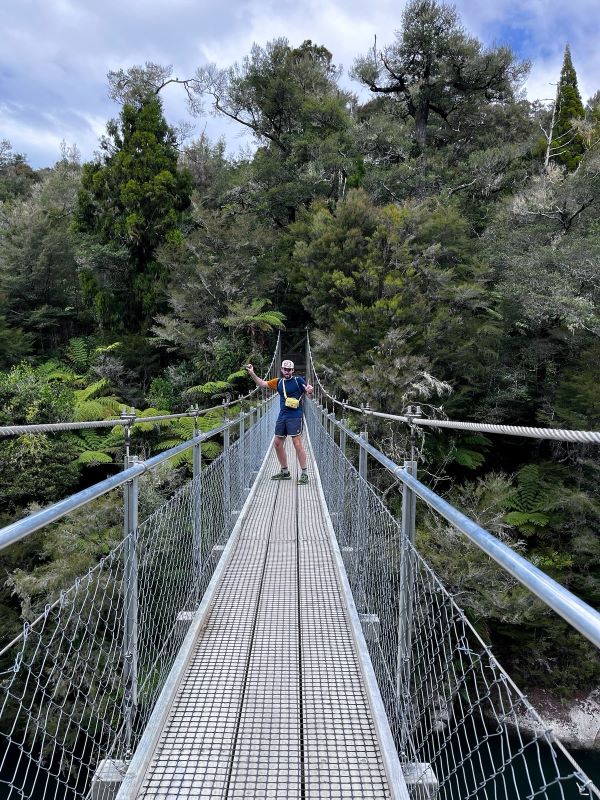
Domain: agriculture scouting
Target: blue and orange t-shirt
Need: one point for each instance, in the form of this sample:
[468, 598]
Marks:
[294, 387]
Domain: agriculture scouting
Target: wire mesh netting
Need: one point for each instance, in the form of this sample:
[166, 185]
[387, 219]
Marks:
[455, 714]
[78, 686]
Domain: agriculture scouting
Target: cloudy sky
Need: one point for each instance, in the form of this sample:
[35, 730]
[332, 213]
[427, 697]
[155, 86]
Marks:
[55, 53]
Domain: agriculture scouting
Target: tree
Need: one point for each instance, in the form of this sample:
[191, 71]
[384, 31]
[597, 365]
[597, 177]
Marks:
[39, 287]
[16, 176]
[435, 69]
[566, 145]
[132, 199]
[401, 294]
[289, 98]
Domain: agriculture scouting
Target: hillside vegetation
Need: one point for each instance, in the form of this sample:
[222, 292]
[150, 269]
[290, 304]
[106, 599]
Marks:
[440, 238]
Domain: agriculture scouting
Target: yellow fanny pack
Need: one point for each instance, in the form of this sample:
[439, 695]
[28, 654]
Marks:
[290, 402]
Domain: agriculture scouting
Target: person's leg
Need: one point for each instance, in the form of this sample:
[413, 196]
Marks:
[280, 434]
[296, 435]
[300, 451]
[280, 451]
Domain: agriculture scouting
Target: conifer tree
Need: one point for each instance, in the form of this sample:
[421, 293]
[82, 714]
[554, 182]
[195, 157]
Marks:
[567, 145]
[131, 201]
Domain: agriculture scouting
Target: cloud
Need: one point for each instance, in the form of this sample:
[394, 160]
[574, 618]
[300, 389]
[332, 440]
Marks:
[56, 53]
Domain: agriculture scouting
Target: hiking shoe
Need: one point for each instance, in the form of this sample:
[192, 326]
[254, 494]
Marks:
[281, 476]
[303, 478]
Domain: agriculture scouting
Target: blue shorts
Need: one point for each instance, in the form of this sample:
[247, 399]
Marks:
[288, 426]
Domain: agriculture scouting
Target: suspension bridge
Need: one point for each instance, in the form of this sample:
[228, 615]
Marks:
[260, 639]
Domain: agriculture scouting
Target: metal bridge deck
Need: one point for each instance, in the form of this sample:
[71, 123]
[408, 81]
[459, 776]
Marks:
[273, 702]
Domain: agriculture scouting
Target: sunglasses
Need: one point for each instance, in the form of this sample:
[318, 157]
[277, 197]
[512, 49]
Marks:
[287, 369]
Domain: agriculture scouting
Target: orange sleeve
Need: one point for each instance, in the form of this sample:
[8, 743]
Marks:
[272, 384]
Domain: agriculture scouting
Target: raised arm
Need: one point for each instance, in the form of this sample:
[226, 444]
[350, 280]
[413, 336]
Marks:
[258, 381]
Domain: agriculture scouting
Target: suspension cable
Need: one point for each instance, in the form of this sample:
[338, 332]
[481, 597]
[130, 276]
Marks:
[130, 419]
[556, 434]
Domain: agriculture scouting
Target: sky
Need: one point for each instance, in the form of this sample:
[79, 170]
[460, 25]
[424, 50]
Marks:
[55, 54]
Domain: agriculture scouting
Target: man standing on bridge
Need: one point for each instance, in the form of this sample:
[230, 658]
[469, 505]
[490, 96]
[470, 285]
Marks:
[292, 389]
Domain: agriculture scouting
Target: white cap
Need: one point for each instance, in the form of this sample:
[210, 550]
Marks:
[287, 364]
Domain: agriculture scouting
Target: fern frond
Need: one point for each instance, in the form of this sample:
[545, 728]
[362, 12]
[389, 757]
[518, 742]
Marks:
[210, 450]
[78, 352]
[97, 408]
[209, 388]
[93, 390]
[93, 457]
[241, 373]
[93, 440]
[150, 426]
[108, 348]
[470, 459]
[53, 370]
[167, 444]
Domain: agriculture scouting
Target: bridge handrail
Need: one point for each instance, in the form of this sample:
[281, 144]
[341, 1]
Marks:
[553, 434]
[24, 527]
[131, 419]
[578, 614]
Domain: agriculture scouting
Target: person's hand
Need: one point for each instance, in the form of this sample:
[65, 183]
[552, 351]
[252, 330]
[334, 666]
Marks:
[309, 389]
[248, 367]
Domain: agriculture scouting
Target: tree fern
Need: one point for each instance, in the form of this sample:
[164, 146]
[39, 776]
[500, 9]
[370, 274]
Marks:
[99, 408]
[466, 456]
[529, 501]
[92, 439]
[53, 370]
[78, 352]
[150, 426]
[93, 390]
[212, 388]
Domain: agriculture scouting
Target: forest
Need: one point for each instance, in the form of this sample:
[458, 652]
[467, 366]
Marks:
[440, 239]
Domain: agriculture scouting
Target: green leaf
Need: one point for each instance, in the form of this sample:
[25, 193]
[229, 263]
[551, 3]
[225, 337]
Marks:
[468, 458]
[521, 518]
[93, 457]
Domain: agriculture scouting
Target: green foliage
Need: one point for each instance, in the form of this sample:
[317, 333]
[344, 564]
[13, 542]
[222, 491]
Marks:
[418, 233]
[567, 145]
[90, 405]
[39, 291]
[17, 178]
[435, 69]
[466, 456]
[93, 458]
[253, 319]
[131, 201]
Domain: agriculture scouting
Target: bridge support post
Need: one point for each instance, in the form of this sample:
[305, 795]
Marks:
[361, 515]
[405, 607]
[344, 423]
[197, 507]
[332, 425]
[226, 481]
[342, 531]
[242, 456]
[130, 591]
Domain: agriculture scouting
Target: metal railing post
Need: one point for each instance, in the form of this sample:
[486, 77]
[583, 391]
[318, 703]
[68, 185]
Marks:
[361, 515]
[226, 480]
[197, 505]
[130, 592]
[342, 504]
[307, 358]
[242, 455]
[405, 607]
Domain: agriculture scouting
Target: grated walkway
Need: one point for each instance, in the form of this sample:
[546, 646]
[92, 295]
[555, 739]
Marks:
[272, 704]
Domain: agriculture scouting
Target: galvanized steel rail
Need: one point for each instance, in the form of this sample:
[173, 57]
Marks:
[580, 615]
